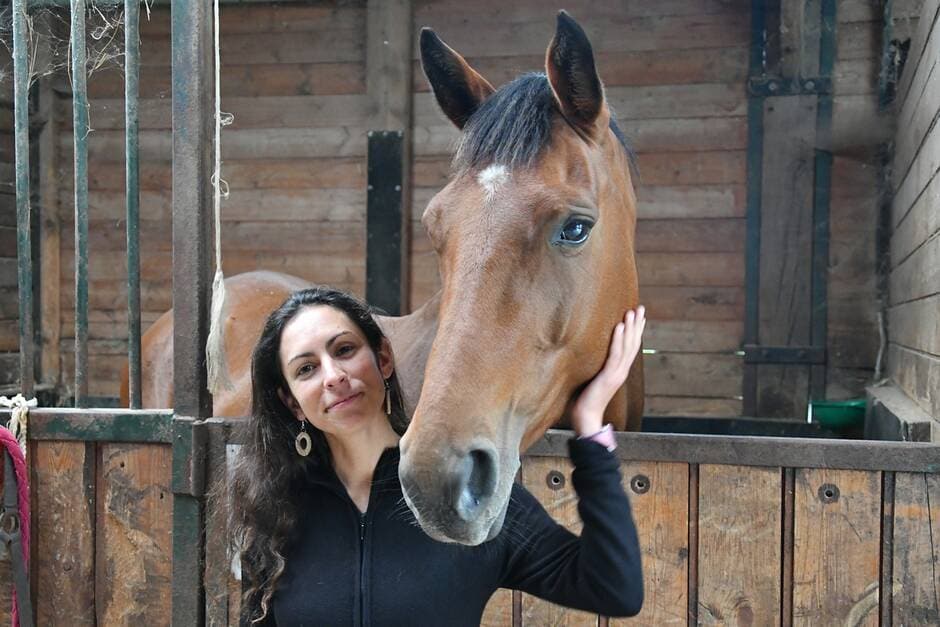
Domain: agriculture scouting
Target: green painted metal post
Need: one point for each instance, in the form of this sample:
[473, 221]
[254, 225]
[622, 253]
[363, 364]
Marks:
[80, 132]
[193, 118]
[23, 226]
[132, 185]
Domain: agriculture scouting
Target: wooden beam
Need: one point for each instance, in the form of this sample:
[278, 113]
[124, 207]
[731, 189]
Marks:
[388, 83]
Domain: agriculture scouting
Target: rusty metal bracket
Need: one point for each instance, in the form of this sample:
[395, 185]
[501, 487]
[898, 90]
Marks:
[190, 450]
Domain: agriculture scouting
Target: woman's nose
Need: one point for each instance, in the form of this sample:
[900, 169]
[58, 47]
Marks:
[333, 374]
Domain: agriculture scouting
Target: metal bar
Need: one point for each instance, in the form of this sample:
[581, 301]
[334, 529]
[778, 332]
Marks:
[132, 185]
[120, 425]
[755, 165]
[760, 451]
[192, 245]
[13, 540]
[190, 440]
[24, 252]
[384, 222]
[886, 596]
[193, 118]
[80, 133]
[819, 313]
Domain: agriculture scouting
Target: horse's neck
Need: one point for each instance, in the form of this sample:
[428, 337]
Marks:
[411, 337]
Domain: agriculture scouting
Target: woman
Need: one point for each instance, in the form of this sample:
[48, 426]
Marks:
[321, 451]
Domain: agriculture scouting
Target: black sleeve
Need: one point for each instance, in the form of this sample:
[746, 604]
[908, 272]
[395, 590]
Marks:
[598, 572]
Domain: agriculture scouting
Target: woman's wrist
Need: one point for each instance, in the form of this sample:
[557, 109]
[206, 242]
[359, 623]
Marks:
[604, 436]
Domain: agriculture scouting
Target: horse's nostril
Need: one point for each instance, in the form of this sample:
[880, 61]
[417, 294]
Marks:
[475, 482]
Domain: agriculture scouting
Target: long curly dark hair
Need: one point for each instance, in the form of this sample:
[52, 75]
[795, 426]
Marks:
[268, 471]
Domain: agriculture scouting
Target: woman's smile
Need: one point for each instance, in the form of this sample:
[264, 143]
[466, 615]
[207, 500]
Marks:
[344, 402]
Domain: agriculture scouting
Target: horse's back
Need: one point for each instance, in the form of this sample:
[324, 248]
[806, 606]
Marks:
[250, 298]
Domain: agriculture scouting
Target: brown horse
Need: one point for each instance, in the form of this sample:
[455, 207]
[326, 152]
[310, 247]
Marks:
[535, 236]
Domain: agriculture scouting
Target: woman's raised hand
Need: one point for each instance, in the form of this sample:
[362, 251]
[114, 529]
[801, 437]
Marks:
[587, 414]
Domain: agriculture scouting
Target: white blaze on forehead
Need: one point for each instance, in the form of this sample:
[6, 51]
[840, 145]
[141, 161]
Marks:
[492, 178]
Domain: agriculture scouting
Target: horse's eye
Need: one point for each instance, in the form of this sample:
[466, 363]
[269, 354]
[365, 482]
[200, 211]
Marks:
[575, 231]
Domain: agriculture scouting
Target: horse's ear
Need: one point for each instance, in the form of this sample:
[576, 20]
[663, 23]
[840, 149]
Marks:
[569, 63]
[459, 89]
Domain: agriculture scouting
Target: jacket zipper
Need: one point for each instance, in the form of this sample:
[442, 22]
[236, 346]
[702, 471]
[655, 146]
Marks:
[362, 561]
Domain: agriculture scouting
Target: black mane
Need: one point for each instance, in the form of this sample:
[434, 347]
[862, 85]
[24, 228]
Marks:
[513, 125]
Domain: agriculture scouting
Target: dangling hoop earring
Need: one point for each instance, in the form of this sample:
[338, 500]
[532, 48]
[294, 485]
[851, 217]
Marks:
[302, 442]
[388, 399]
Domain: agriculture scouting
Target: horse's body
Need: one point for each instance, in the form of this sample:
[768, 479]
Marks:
[535, 238]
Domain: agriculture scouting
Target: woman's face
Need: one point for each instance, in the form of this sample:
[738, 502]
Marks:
[336, 382]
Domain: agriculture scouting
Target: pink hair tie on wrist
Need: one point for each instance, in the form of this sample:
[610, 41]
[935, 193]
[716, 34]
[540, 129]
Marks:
[604, 437]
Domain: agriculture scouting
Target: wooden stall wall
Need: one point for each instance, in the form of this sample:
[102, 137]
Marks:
[675, 77]
[913, 311]
[293, 76]
[861, 135]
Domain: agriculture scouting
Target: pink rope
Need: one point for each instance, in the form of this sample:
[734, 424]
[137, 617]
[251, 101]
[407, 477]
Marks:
[22, 485]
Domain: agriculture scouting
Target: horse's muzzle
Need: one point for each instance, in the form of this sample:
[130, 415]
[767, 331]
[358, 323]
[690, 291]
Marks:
[453, 496]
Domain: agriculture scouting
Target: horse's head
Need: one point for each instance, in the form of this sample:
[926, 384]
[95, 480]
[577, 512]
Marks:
[535, 238]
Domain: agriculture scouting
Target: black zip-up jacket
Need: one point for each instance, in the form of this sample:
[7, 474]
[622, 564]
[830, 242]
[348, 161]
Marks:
[379, 568]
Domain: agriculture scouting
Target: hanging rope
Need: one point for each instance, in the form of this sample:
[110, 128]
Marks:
[17, 424]
[216, 366]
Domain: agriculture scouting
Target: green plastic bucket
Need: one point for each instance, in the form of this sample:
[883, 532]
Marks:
[839, 414]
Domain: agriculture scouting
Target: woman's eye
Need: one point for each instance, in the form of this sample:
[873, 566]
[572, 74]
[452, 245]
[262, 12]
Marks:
[305, 370]
[575, 231]
[344, 350]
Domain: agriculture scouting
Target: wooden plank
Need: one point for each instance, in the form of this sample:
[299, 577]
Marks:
[712, 375]
[498, 611]
[916, 325]
[691, 269]
[918, 111]
[690, 201]
[739, 545]
[9, 335]
[690, 236]
[928, 16]
[918, 276]
[495, 37]
[304, 111]
[62, 481]
[916, 580]
[325, 173]
[786, 249]
[659, 494]
[918, 374]
[266, 18]
[430, 12]
[561, 502]
[244, 80]
[243, 205]
[924, 167]
[692, 407]
[49, 233]
[388, 63]
[133, 534]
[697, 336]
[916, 224]
[836, 537]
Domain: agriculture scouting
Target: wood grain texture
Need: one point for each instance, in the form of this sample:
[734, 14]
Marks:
[916, 583]
[562, 505]
[836, 548]
[133, 535]
[661, 514]
[63, 494]
[498, 611]
[739, 545]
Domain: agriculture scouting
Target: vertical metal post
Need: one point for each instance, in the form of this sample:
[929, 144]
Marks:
[24, 247]
[80, 131]
[132, 179]
[193, 116]
[755, 166]
[822, 183]
[384, 234]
